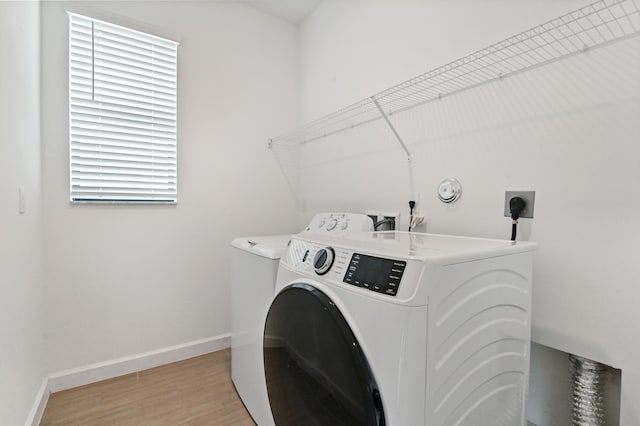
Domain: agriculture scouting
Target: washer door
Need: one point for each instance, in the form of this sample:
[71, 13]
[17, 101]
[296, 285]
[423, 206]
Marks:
[315, 370]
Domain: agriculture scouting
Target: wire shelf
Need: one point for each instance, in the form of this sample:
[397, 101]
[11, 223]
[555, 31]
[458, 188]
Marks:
[597, 24]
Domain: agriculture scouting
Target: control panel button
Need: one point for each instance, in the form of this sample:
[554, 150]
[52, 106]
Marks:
[344, 225]
[331, 224]
[323, 260]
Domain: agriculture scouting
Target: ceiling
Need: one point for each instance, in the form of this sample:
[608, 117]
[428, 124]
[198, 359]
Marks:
[293, 11]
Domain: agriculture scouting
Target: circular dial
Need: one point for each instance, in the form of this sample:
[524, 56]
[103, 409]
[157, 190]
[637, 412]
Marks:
[331, 224]
[323, 260]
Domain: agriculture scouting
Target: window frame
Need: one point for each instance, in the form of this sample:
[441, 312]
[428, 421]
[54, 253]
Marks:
[145, 170]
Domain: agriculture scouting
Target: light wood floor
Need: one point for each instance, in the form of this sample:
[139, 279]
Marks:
[197, 391]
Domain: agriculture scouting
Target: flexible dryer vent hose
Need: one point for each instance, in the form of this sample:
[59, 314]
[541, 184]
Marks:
[587, 391]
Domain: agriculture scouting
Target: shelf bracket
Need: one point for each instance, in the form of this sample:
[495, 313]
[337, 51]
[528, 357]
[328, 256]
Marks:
[393, 129]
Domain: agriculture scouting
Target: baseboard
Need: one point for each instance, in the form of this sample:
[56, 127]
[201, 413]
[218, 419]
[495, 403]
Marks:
[38, 405]
[130, 364]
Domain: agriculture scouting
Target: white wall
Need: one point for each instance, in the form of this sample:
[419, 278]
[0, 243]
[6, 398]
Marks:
[123, 279]
[568, 130]
[22, 366]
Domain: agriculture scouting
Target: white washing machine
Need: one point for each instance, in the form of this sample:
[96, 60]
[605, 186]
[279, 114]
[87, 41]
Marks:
[254, 265]
[397, 328]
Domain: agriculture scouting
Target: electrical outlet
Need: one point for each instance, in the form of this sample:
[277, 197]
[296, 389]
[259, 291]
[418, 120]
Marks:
[528, 196]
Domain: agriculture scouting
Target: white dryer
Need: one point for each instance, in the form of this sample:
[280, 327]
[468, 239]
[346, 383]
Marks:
[397, 328]
[254, 265]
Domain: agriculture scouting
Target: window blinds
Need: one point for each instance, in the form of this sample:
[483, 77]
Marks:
[122, 113]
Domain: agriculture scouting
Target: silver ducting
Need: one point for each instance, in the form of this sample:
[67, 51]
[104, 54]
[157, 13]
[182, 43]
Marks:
[588, 380]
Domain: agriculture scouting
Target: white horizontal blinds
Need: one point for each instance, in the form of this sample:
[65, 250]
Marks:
[122, 100]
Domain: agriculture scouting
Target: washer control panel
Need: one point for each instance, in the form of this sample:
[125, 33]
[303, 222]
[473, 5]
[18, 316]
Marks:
[375, 273]
[339, 223]
[389, 278]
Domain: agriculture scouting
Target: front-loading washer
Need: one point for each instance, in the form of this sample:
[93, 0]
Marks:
[254, 265]
[397, 328]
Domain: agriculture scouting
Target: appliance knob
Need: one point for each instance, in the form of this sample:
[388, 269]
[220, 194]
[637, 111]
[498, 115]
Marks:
[323, 260]
[331, 224]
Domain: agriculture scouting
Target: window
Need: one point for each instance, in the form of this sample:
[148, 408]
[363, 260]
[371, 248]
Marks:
[122, 114]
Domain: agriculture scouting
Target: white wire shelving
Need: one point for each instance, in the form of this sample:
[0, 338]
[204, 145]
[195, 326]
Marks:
[597, 24]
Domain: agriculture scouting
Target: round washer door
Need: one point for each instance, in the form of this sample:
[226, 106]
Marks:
[315, 369]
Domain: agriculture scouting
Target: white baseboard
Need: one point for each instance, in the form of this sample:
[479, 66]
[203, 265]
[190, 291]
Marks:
[130, 364]
[35, 415]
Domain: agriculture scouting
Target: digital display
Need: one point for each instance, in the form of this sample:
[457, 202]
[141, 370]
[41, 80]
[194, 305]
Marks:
[375, 273]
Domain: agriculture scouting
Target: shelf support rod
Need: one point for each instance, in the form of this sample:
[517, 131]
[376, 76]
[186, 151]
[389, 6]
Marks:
[393, 129]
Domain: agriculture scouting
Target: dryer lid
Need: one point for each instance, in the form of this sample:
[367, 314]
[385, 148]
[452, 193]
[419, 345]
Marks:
[269, 246]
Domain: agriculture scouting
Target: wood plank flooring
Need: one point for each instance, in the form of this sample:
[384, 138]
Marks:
[197, 391]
